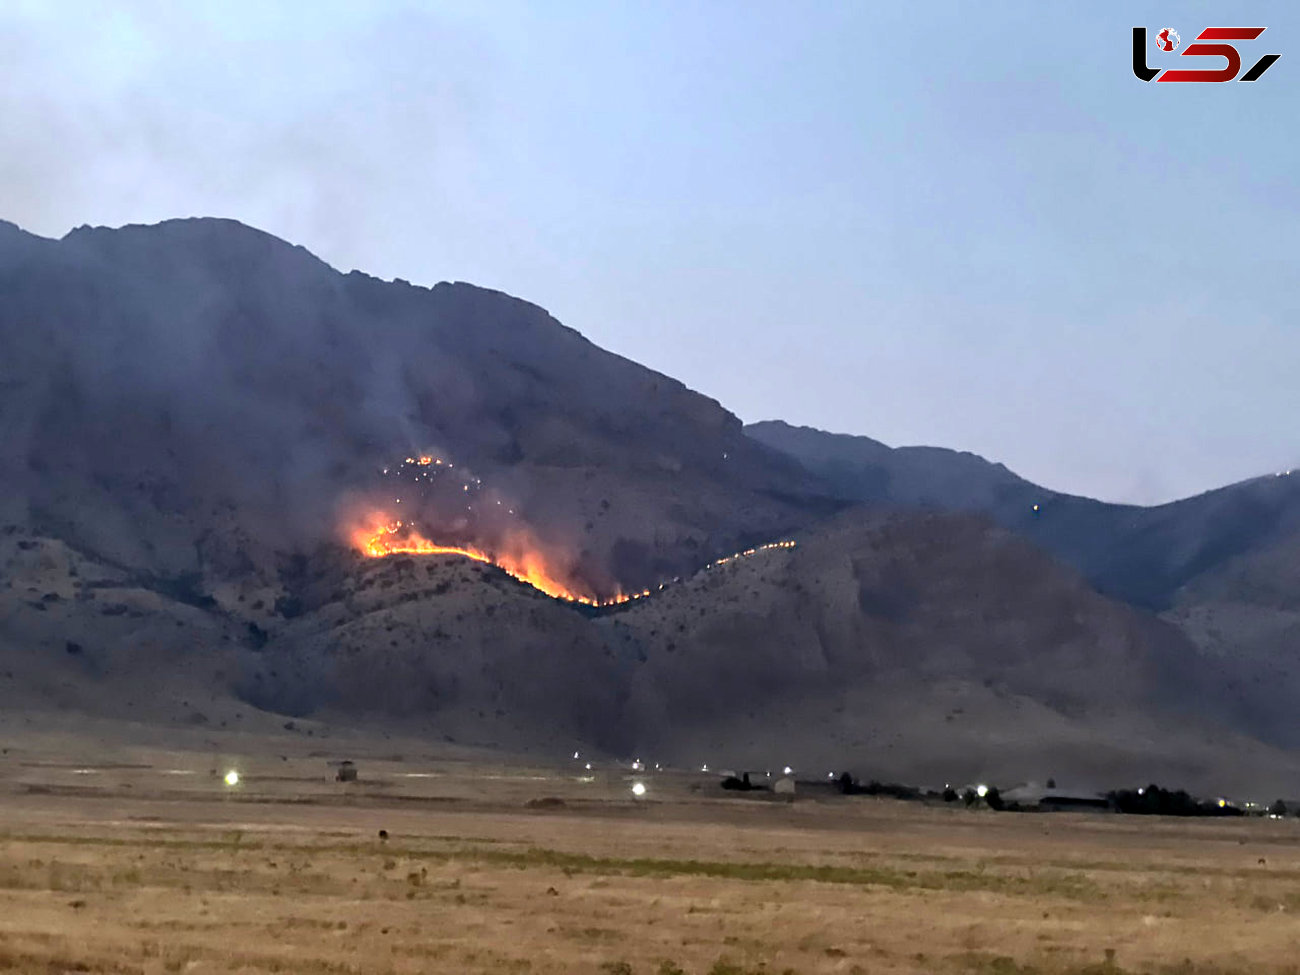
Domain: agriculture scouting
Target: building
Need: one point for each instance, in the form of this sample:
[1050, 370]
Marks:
[1051, 798]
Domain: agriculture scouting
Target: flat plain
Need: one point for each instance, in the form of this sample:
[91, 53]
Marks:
[149, 862]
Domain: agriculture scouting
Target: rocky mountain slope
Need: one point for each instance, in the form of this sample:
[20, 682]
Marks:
[867, 646]
[195, 418]
[1144, 556]
[197, 398]
[931, 642]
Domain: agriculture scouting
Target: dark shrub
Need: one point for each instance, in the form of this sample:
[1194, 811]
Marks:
[741, 784]
[1155, 801]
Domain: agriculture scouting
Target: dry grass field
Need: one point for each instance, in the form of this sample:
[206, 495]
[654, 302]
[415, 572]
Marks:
[152, 864]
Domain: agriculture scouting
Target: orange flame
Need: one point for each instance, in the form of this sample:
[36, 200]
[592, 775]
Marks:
[380, 536]
[524, 559]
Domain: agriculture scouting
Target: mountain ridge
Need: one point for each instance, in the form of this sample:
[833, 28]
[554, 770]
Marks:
[197, 422]
[1142, 554]
[767, 430]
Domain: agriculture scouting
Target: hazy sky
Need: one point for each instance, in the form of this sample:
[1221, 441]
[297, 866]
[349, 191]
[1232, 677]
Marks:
[957, 224]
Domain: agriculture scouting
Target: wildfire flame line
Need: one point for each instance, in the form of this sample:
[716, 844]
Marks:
[397, 538]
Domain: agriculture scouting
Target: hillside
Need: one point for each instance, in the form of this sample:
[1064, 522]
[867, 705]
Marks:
[196, 400]
[935, 642]
[205, 433]
[1144, 556]
[1246, 611]
[865, 646]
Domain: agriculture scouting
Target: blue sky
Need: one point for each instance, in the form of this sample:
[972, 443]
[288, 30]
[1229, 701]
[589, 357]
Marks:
[965, 225]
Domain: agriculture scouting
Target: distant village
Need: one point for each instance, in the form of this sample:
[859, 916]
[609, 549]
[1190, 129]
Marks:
[1031, 797]
[1148, 800]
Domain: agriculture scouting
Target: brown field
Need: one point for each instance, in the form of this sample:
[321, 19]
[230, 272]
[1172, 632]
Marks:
[150, 864]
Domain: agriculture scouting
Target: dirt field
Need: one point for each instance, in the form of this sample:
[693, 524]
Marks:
[152, 864]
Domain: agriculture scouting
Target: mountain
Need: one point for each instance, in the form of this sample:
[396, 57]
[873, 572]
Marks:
[1246, 613]
[1143, 555]
[1221, 566]
[930, 477]
[935, 644]
[913, 646]
[208, 438]
[197, 400]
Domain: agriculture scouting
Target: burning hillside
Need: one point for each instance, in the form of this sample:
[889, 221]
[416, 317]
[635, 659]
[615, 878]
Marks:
[472, 522]
[432, 491]
[520, 556]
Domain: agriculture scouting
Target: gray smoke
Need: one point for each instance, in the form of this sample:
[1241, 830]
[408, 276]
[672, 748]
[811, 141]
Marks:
[158, 377]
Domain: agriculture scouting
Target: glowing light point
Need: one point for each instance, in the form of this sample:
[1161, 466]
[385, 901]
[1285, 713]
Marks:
[1223, 803]
[575, 754]
[232, 778]
[981, 790]
[638, 789]
[787, 770]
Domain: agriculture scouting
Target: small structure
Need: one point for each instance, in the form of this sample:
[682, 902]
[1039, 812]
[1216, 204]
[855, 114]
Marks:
[1053, 799]
[784, 786]
[347, 772]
